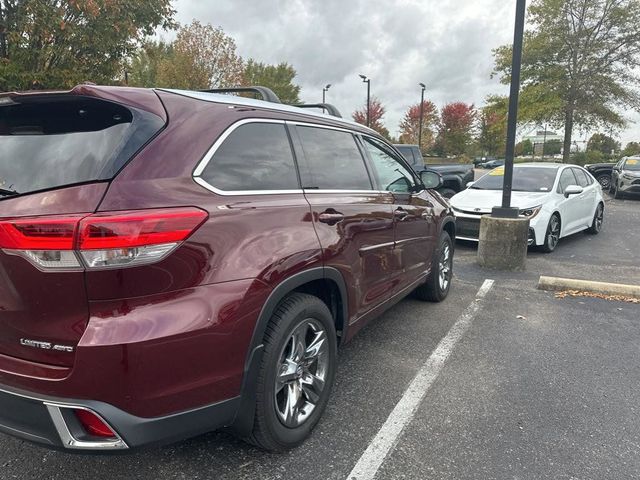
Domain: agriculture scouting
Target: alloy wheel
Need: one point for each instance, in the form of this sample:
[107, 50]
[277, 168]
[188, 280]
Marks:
[599, 220]
[445, 267]
[605, 181]
[302, 373]
[553, 236]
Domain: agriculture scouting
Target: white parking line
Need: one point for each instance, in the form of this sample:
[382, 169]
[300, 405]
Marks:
[389, 434]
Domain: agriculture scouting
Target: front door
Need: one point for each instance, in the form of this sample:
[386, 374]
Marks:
[414, 223]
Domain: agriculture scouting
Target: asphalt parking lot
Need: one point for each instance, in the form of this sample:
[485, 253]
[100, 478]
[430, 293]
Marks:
[534, 387]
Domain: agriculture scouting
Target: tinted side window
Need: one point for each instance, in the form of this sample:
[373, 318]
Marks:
[392, 176]
[334, 160]
[582, 178]
[566, 178]
[256, 156]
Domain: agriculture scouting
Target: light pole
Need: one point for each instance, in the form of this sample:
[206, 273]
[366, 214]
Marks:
[424, 87]
[324, 93]
[506, 211]
[368, 82]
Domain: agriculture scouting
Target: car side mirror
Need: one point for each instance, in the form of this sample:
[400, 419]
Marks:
[572, 190]
[431, 180]
[470, 184]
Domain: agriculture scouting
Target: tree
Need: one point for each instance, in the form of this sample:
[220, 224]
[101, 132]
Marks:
[278, 78]
[578, 63]
[552, 147]
[599, 142]
[143, 66]
[456, 128]
[202, 57]
[632, 148]
[410, 125]
[377, 114]
[56, 44]
[493, 126]
[526, 147]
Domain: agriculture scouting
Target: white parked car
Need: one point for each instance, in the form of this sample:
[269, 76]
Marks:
[559, 200]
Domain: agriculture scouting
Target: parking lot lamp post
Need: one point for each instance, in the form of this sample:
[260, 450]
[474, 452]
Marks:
[424, 87]
[503, 234]
[544, 141]
[324, 93]
[506, 211]
[368, 82]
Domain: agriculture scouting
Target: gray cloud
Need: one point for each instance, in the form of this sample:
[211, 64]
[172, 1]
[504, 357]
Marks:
[446, 44]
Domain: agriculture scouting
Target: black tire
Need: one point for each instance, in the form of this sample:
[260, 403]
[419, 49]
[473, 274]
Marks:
[605, 181]
[433, 290]
[598, 220]
[551, 242]
[269, 430]
[447, 192]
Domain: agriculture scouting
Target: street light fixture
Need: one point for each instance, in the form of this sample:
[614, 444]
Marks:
[368, 82]
[324, 93]
[424, 87]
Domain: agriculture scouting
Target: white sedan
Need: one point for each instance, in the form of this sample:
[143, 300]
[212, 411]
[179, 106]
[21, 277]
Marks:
[559, 200]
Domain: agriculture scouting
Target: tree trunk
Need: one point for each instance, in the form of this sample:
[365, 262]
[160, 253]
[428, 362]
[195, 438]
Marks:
[568, 132]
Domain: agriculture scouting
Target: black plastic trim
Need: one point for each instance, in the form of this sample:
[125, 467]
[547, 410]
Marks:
[135, 431]
[243, 423]
[333, 111]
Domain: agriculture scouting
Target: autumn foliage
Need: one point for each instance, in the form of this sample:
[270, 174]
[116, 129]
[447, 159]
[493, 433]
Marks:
[456, 127]
[376, 117]
[46, 44]
[410, 125]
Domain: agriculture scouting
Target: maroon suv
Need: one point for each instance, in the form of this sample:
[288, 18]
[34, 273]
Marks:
[175, 262]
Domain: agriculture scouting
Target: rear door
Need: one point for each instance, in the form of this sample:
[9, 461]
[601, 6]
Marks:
[588, 196]
[415, 226]
[56, 154]
[354, 222]
[570, 208]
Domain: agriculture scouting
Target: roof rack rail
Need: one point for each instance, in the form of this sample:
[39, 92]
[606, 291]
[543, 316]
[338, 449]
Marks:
[333, 111]
[267, 94]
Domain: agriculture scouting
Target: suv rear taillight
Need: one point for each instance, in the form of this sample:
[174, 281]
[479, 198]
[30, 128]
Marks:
[104, 240]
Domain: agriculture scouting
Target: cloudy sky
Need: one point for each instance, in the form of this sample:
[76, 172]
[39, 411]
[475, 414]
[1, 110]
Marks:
[445, 44]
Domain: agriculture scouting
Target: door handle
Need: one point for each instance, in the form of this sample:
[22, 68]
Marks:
[330, 217]
[400, 214]
[427, 214]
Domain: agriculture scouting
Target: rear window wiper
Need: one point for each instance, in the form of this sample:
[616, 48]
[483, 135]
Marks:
[7, 193]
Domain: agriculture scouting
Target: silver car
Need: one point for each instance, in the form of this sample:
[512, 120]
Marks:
[625, 177]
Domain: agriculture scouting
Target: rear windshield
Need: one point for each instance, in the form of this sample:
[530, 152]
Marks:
[525, 179]
[49, 142]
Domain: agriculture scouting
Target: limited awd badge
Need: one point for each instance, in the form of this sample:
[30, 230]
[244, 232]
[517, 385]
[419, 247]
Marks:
[45, 345]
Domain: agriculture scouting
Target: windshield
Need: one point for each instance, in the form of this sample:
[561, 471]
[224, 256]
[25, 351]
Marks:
[632, 164]
[55, 141]
[525, 179]
[406, 153]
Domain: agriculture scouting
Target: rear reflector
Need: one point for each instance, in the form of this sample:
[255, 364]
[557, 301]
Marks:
[93, 425]
[109, 240]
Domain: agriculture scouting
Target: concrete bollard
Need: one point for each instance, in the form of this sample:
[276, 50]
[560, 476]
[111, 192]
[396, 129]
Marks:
[503, 243]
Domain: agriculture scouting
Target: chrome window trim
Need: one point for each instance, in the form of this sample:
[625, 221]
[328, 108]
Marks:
[200, 167]
[197, 172]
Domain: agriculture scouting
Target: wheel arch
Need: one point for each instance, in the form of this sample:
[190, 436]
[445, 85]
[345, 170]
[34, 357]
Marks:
[326, 283]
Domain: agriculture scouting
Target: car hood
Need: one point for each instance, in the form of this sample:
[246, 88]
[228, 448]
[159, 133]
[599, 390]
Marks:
[632, 173]
[482, 201]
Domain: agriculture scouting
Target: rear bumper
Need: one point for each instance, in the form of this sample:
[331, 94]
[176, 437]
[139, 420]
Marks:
[50, 421]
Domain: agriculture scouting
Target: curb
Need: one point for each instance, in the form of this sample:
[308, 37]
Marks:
[560, 284]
